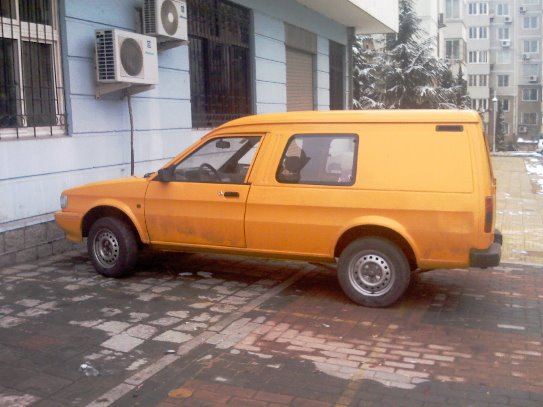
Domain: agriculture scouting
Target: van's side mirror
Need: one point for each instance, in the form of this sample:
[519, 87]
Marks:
[165, 174]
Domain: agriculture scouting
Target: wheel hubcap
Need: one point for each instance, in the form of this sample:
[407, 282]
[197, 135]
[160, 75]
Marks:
[371, 274]
[106, 248]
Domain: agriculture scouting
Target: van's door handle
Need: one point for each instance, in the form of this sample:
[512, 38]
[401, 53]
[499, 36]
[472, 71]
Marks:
[231, 194]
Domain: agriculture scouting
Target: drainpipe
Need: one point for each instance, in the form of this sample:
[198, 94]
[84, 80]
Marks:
[350, 67]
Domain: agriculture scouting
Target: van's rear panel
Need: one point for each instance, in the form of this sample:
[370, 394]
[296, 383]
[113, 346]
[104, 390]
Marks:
[435, 181]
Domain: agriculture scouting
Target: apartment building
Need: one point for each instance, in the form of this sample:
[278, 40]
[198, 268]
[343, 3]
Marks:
[499, 43]
[428, 12]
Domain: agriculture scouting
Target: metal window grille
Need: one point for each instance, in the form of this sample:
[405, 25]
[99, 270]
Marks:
[31, 90]
[219, 49]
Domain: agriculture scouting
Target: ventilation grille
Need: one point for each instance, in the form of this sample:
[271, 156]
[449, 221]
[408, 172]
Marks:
[150, 17]
[105, 55]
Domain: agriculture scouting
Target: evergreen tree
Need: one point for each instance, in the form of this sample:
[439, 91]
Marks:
[462, 101]
[500, 128]
[403, 74]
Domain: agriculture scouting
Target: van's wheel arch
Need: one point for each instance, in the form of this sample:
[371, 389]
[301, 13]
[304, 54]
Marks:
[112, 247]
[373, 272]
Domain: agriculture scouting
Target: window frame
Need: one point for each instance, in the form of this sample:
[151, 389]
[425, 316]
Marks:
[21, 32]
[453, 45]
[530, 99]
[502, 80]
[502, 9]
[219, 33]
[333, 136]
[530, 43]
[525, 114]
[478, 57]
[530, 19]
[504, 33]
[452, 9]
[222, 137]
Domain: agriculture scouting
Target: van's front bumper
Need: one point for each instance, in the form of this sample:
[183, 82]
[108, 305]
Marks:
[489, 257]
[70, 223]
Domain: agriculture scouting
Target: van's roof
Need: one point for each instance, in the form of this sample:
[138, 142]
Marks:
[361, 116]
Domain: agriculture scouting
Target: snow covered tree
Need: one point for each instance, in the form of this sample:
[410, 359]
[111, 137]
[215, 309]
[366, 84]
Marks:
[403, 74]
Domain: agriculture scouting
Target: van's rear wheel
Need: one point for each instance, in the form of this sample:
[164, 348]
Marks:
[112, 247]
[373, 272]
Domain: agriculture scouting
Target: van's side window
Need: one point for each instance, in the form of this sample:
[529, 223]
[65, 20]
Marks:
[322, 159]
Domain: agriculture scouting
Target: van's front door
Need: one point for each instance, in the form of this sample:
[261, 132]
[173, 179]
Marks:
[201, 200]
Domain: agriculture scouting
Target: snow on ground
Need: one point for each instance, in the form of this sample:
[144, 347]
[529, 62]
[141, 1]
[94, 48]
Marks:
[534, 166]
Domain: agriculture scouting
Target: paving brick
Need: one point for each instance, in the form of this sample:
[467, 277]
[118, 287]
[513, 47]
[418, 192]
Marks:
[239, 402]
[273, 397]
[300, 402]
[209, 396]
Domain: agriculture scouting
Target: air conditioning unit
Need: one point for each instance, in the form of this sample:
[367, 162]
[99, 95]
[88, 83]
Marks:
[534, 78]
[508, 19]
[127, 57]
[505, 43]
[522, 9]
[522, 129]
[526, 57]
[165, 19]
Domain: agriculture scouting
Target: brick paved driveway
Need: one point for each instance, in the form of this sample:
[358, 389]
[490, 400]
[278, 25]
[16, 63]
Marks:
[206, 330]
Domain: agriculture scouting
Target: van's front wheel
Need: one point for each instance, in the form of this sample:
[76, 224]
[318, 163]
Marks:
[373, 272]
[112, 247]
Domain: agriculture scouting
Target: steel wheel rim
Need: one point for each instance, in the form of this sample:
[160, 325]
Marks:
[106, 248]
[371, 274]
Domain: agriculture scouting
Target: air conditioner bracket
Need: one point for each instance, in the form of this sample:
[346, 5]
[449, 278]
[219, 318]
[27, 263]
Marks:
[163, 45]
[103, 89]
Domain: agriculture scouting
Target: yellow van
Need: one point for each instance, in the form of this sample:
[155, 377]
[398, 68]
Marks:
[380, 193]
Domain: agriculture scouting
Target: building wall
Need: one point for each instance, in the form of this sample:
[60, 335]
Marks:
[33, 172]
[428, 12]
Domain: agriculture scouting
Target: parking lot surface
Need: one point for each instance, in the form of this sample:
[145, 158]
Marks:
[208, 330]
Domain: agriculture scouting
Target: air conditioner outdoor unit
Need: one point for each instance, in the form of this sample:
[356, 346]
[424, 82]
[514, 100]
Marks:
[126, 57]
[522, 129]
[522, 9]
[534, 78]
[505, 43]
[508, 19]
[526, 57]
[165, 19]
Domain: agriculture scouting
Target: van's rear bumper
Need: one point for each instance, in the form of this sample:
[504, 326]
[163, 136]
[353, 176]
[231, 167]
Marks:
[489, 257]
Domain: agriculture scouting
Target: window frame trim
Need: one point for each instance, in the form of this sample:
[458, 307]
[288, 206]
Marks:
[260, 136]
[25, 31]
[356, 138]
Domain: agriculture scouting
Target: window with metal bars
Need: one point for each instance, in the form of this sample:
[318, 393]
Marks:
[220, 61]
[31, 90]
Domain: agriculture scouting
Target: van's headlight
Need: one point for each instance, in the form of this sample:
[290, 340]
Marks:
[63, 201]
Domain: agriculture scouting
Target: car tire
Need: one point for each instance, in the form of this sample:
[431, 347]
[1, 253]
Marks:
[112, 247]
[373, 272]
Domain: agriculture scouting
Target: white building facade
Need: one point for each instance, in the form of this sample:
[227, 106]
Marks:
[498, 44]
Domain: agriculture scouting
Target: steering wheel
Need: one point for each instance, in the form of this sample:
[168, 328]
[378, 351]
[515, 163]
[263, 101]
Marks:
[206, 168]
